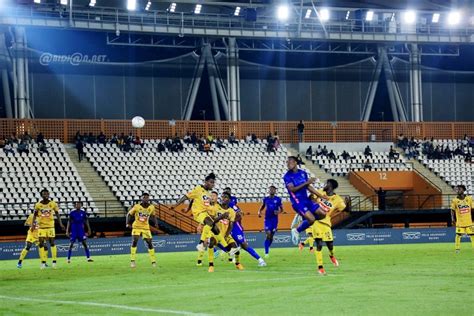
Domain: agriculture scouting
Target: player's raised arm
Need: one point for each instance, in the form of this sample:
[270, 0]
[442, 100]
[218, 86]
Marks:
[181, 201]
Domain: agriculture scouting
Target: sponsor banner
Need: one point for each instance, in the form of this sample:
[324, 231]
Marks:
[174, 243]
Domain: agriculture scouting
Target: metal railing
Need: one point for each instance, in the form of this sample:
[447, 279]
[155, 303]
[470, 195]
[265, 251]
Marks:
[98, 15]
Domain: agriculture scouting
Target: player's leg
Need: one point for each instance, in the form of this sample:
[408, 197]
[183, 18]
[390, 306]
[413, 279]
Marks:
[133, 248]
[457, 241]
[238, 265]
[86, 250]
[69, 251]
[268, 241]
[151, 251]
[310, 212]
[330, 245]
[210, 253]
[309, 241]
[244, 245]
[43, 253]
[319, 255]
[54, 251]
[24, 252]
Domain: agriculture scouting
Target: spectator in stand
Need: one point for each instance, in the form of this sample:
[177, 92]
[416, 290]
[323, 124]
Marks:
[42, 148]
[201, 146]
[187, 138]
[393, 154]
[270, 147]
[468, 157]
[27, 138]
[299, 160]
[114, 139]
[130, 138]
[168, 143]
[412, 143]
[13, 139]
[465, 140]
[23, 148]
[194, 139]
[121, 141]
[276, 142]
[207, 148]
[127, 147]
[2, 143]
[254, 139]
[101, 139]
[210, 139]
[345, 155]
[77, 137]
[309, 152]
[367, 165]
[448, 154]
[248, 138]
[40, 138]
[91, 139]
[138, 143]
[324, 151]
[219, 143]
[319, 151]
[8, 149]
[161, 147]
[300, 129]
[231, 139]
[402, 141]
[458, 152]
[177, 143]
[331, 155]
[368, 152]
[80, 149]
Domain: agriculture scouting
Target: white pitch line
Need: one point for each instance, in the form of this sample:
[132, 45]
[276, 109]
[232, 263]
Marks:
[104, 305]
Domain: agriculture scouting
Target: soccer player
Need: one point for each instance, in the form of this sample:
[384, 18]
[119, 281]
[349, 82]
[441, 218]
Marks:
[201, 202]
[461, 210]
[44, 215]
[332, 204]
[298, 184]
[31, 239]
[273, 206]
[233, 200]
[75, 230]
[140, 214]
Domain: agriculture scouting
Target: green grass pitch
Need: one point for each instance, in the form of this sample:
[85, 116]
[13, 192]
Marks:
[421, 279]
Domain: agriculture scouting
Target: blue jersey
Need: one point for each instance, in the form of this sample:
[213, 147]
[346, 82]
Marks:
[77, 220]
[233, 201]
[272, 206]
[297, 178]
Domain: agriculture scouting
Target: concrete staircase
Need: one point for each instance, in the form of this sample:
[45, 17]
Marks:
[104, 198]
[361, 202]
[440, 183]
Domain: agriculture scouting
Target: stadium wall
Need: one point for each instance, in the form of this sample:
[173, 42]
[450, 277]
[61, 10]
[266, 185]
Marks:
[176, 243]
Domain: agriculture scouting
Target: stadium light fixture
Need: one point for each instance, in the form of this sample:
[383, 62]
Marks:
[348, 14]
[131, 5]
[92, 3]
[172, 7]
[392, 18]
[435, 18]
[148, 5]
[38, 1]
[369, 16]
[324, 14]
[197, 9]
[283, 12]
[63, 2]
[454, 18]
[409, 17]
[237, 11]
[308, 14]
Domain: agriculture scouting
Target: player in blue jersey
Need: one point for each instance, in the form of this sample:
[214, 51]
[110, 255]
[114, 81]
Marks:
[75, 230]
[298, 184]
[233, 200]
[273, 206]
[238, 235]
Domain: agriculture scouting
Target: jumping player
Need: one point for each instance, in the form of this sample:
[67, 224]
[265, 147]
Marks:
[461, 210]
[273, 206]
[75, 230]
[140, 214]
[44, 215]
[298, 184]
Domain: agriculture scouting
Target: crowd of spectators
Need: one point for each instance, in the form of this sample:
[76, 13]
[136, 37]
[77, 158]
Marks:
[22, 144]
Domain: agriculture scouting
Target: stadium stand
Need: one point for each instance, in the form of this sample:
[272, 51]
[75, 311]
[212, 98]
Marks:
[247, 168]
[23, 176]
[455, 170]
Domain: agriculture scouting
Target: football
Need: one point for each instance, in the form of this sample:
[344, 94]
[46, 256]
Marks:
[138, 122]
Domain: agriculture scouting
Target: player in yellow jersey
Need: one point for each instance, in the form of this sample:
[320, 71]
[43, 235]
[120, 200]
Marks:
[44, 215]
[31, 239]
[461, 211]
[332, 204]
[201, 203]
[140, 214]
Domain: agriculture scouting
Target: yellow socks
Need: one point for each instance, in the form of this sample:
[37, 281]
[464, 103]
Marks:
[151, 253]
[309, 241]
[319, 258]
[210, 253]
[331, 252]
[133, 253]
[54, 252]
[23, 254]
[457, 242]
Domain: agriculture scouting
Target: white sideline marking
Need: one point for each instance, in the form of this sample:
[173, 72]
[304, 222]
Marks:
[123, 307]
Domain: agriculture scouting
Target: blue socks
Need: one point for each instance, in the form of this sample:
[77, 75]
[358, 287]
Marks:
[69, 253]
[268, 243]
[88, 255]
[252, 252]
[304, 224]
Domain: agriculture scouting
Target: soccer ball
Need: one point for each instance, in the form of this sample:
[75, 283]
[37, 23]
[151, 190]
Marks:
[138, 122]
